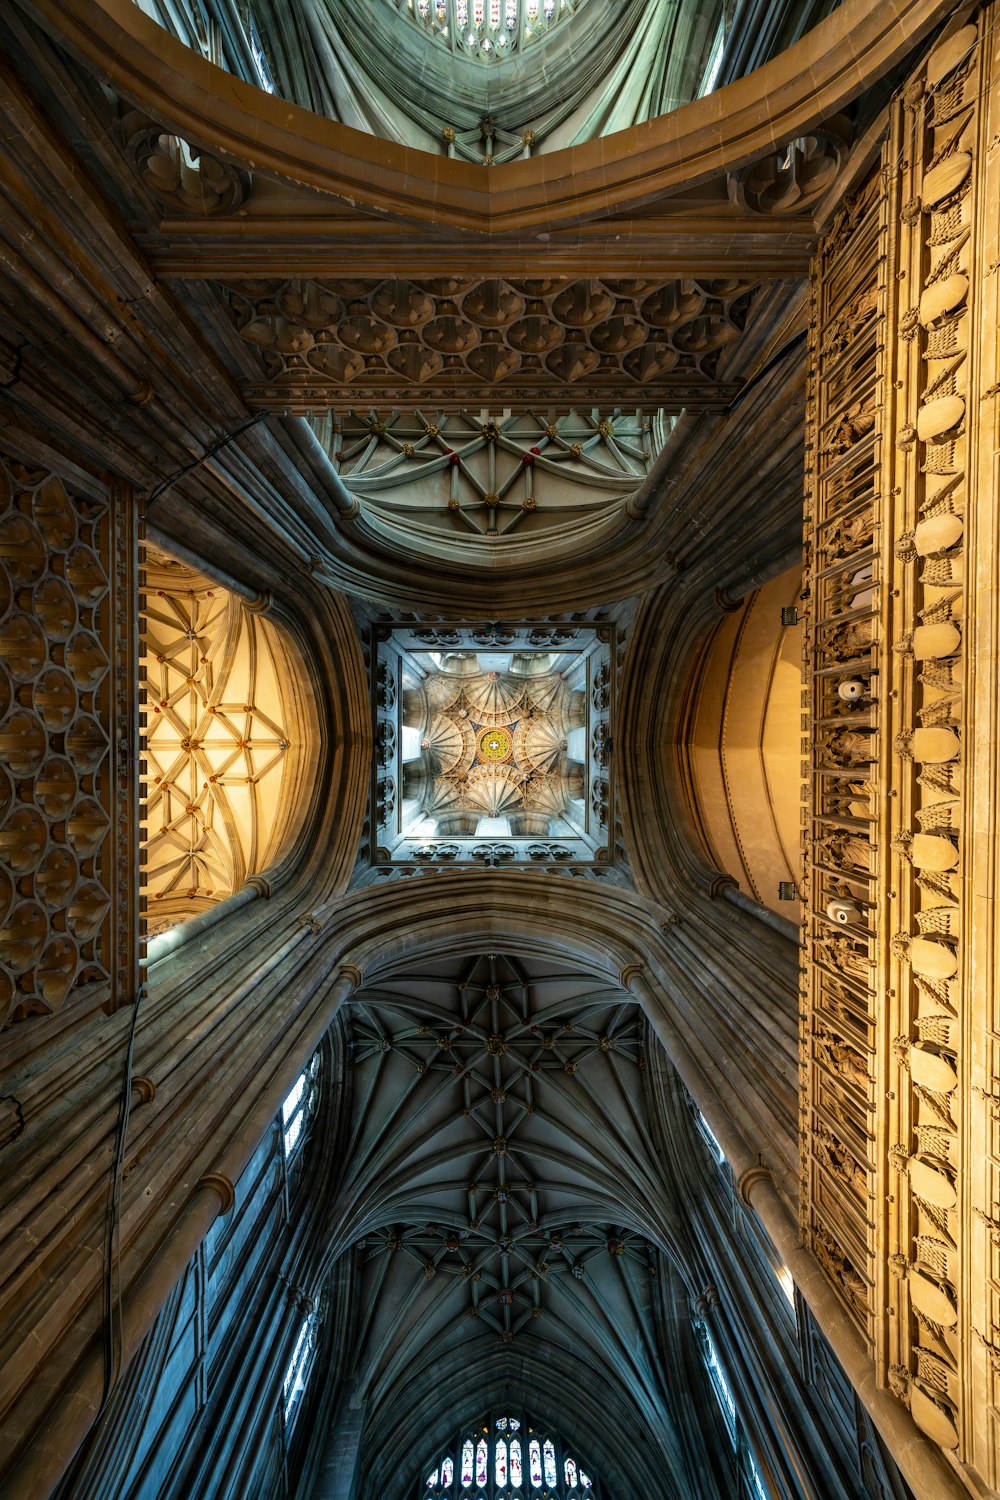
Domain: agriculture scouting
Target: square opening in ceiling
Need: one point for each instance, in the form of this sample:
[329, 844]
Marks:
[492, 744]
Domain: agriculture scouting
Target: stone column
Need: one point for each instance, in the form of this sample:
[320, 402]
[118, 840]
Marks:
[339, 1473]
[920, 1461]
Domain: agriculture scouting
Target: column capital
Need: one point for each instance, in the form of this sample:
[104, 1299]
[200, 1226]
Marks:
[354, 976]
[750, 1179]
[218, 1182]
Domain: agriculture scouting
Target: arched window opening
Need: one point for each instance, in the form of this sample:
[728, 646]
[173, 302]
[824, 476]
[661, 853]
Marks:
[489, 30]
[223, 742]
[713, 1144]
[720, 1384]
[510, 1456]
[299, 1370]
[752, 1483]
[298, 1109]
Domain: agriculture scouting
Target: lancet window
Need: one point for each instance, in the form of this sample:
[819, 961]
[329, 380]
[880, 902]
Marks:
[752, 1480]
[299, 1108]
[713, 1144]
[299, 1369]
[506, 1455]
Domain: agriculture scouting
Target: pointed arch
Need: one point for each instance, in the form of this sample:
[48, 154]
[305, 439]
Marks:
[226, 745]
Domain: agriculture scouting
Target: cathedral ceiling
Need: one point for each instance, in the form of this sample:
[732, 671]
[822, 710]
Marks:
[502, 1191]
[493, 743]
[517, 473]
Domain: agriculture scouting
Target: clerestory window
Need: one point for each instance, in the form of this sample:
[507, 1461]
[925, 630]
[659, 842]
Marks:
[299, 1369]
[298, 1108]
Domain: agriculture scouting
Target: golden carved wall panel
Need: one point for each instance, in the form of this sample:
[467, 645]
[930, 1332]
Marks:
[68, 697]
[901, 1008]
[458, 342]
[842, 590]
[219, 761]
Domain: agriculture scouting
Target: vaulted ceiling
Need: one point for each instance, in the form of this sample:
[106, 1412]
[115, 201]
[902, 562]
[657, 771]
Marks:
[503, 1195]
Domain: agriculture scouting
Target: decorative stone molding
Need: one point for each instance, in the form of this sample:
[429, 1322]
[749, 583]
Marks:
[792, 178]
[68, 698]
[629, 974]
[894, 605]
[218, 1182]
[352, 974]
[706, 1302]
[520, 344]
[182, 177]
[751, 1178]
[144, 1087]
[725, 602]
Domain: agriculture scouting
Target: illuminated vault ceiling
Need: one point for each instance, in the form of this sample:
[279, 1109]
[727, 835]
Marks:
[485, 474]
[493, 744]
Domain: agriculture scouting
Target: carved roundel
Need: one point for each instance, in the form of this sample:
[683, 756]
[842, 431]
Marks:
[494, 745]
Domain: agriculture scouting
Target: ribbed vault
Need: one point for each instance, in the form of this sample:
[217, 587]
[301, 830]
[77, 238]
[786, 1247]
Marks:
[512, 1230]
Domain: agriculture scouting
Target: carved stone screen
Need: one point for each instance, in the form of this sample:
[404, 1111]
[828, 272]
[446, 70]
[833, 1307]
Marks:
[493, 744]
[68, 722]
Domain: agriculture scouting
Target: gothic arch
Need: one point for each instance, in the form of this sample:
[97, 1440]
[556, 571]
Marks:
[808, 83]
[230, 742]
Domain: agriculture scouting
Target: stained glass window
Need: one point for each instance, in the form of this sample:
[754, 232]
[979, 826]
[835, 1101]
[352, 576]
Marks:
[505, 1457]
[489, 28]
[720, 1383]
[549, 1455]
